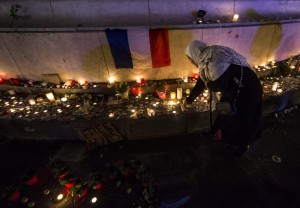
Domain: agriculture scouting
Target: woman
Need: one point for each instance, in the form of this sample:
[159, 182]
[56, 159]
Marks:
[224, 70]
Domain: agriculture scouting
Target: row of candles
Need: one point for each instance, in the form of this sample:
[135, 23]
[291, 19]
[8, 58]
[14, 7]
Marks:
[13, 106]
[58, 199]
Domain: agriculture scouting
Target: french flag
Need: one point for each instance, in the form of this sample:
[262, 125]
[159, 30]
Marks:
[139, 49]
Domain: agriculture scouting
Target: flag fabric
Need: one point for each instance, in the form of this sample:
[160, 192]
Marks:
[160, 50]
[139, 49]
[119, 46]
[139, 43]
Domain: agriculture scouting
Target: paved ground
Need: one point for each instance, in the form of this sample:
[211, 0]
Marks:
[188, 169]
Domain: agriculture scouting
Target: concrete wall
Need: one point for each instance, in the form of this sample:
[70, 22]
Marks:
[30, 44]
[114, 13]
[86, 55]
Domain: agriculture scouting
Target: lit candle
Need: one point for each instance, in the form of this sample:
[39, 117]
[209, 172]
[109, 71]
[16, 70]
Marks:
[173, 95]
[94, 200]
[150, 112]
[185, 79]
[39, 100]
[205, 93]
[139, 80]
[179, 93]
[187, 91]
[31, 102]
[196, 75]
[273, 62]
[235, 17]
[111, 80]
[275, 86]
[50, 96]
[60, 197]
[279, 90]
[111, 115]
[64, 99]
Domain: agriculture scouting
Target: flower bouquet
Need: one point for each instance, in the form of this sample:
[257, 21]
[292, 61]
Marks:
[161, 89]
[122, 90]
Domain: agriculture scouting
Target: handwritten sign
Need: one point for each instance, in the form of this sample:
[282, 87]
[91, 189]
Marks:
[101, 134]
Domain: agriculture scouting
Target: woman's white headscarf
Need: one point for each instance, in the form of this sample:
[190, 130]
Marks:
[214, 60]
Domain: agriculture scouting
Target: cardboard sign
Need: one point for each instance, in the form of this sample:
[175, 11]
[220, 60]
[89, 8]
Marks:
[101, 134]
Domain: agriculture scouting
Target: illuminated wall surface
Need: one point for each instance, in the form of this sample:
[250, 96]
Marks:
[85, 54]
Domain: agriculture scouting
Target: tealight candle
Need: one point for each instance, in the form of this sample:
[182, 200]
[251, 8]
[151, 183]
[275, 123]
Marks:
[46, 191]
[32, 102]
[64, 99]
[60, 197]
[111, 115]
[94, 200]
[187, 91]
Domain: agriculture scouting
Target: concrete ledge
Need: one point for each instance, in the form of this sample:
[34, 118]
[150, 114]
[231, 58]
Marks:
[98, 90]
[166, 125]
